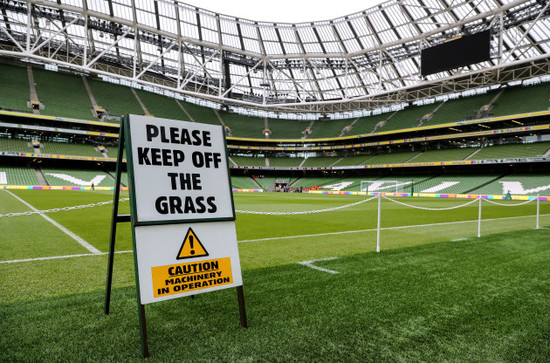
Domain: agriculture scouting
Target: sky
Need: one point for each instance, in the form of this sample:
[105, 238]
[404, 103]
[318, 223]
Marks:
[285, 11]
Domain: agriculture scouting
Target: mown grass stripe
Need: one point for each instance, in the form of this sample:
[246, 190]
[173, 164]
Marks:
[69, 233]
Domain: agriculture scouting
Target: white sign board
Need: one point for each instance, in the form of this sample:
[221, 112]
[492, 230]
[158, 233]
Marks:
[179, 171]
[167, 264]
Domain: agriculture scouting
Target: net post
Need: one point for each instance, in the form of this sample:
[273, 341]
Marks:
[538, 211]
[479, 219]
[378, 225]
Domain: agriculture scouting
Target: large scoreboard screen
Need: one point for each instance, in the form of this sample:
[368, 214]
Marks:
[458, 52]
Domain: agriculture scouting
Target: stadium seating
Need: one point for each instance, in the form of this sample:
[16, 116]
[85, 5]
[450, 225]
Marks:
[522, 99]
[265, 182]
[443, 155]
[293, 181]
[353, 160]
[62, 95]
[243, 182]
[330, 128]
[310, 182]
[244, 126]
[455, 154]
[321, 161]
[354, 183]
[387, 183]
[367, 124]
[72, 100]
[123, 177]
[340, 184]
[453, 184]
[15, 145]
[408, 118]
[285, 162]
[287, 129]
[460, 109]
[405, 182]
[512, 151]
[248, 161]
[448, 184]
[396, 157]
[14, 88]
[161, 106]
[59, 148]
[18, 176]
[201, 114]
[74, 177]
[517, 184]
[113, 152]
[116, 99]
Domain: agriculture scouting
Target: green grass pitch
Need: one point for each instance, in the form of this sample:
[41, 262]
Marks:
[436, 292]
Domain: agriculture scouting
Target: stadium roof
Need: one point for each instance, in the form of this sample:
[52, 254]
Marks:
[360, 61]
[287, 11]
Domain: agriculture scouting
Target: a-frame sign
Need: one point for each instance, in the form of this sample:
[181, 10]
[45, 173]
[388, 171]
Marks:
[181, 212]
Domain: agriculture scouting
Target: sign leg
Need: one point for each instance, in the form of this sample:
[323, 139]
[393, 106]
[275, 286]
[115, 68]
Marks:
[114, 222]
[143, 331]
[110, 267]
[242, 309]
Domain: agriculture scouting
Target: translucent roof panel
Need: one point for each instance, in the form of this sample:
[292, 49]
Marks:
[99, 6]
[188, 23]
[123, 11]
[77, 3]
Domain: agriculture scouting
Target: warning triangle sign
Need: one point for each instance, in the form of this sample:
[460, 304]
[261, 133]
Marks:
[191, 247]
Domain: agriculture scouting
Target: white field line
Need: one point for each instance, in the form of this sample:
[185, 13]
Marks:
[384, 229]
[310, 264]
[77, 238]
[59, 257]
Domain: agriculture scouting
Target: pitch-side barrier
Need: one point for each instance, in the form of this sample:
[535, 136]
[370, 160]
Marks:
[473, 199]
[479, 200]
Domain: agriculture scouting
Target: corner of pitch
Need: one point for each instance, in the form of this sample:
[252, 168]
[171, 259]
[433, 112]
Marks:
[177, 279]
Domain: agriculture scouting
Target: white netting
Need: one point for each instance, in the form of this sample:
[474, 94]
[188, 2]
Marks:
[433, 209]
[304, 212]
[64, 209]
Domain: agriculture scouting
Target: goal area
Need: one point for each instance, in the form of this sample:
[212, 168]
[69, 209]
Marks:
[386, 186]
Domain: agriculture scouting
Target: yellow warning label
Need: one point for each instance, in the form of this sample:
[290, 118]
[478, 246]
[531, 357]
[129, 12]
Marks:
[176, 279]
[191, 247]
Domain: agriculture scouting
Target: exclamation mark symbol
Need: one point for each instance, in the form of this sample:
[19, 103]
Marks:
[191, 245]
